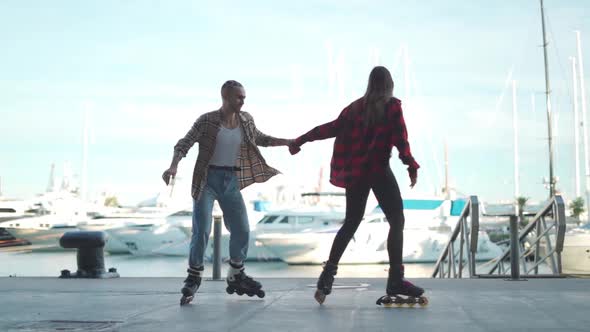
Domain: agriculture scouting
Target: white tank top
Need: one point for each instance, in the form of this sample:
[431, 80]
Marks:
[227, 147]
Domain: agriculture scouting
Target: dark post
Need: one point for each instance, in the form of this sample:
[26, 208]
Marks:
[217, 248]
[514, 249]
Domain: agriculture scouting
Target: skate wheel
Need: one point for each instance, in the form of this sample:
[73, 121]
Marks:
[250, 294]
[423, 301]
[385, 301]
[319, 296]
[185, 300]
[239, 292]
[261, 294]
[229, 290]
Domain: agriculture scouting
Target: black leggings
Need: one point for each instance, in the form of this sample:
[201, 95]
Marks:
[388, 195]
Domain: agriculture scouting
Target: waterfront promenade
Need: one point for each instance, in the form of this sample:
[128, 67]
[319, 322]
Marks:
[151, 304]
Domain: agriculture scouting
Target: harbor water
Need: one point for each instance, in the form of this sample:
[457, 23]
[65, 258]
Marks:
[25, 263]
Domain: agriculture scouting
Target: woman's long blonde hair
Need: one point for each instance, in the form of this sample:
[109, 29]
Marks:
[379, 91]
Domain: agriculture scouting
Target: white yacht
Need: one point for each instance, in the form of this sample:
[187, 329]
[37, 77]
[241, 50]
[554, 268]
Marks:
[143, 233]
[43, 232]
[108, 221]
[14, 209]
[312, 245]
[182, 249]
[59, 213]
[575, 257]
[280, 221]
[427, 229]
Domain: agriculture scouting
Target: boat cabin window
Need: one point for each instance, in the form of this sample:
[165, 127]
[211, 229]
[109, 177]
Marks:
[326, 222]
[184, 213]
[304, 220]
[268, 219]
[287, 220]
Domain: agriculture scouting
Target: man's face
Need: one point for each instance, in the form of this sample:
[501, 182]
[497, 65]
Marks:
[235, 99]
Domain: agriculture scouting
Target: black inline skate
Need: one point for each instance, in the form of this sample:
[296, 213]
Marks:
[397, 285]
[325, 281]
[191, 284]
[240, 283]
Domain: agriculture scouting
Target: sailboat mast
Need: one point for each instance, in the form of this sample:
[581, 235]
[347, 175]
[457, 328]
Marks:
[584, 124]
[84, 182]
[51, 183]
[515, 125]
[576, 129]
[548, 103]
[447, 188]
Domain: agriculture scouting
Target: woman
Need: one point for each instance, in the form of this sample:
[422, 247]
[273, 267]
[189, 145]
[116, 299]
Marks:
[366, 131]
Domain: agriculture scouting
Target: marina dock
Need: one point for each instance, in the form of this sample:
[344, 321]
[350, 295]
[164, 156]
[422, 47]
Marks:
[152, 304]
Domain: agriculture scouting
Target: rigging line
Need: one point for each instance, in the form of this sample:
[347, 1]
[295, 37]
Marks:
[438, 170]
[564, 81]
[518, 59]
[398, 56]
[411, 105]
[563, 84]
[500, 98]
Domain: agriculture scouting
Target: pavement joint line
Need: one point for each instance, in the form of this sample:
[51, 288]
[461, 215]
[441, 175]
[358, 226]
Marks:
[257, 311]
[152, 309]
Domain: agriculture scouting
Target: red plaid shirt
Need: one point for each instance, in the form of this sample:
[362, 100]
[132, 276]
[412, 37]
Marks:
[362, 153]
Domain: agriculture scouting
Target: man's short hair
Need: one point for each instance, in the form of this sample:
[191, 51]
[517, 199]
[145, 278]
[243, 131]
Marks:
[230, 85]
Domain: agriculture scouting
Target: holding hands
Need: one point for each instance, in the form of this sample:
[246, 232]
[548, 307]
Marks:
[294, 148]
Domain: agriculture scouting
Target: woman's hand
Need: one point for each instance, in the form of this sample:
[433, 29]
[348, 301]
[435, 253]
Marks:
[413, 172]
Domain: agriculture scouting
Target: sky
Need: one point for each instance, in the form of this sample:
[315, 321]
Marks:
[139, 73]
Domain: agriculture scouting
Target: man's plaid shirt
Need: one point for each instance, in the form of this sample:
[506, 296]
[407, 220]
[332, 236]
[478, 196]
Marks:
[362, 153]
[253, 167]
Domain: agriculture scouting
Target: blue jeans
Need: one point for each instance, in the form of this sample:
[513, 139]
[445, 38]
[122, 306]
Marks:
[222, 186]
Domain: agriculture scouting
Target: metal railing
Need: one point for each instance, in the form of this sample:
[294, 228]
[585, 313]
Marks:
[540, 241]
[451, 262]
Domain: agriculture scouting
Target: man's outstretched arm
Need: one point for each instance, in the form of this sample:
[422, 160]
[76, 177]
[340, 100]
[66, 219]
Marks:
[181, 149]
[263, 139]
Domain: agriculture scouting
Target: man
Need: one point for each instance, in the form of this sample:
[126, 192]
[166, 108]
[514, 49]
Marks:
[228, 161]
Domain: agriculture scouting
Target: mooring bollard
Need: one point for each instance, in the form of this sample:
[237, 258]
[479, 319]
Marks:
[217, 248]
[90, 256]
